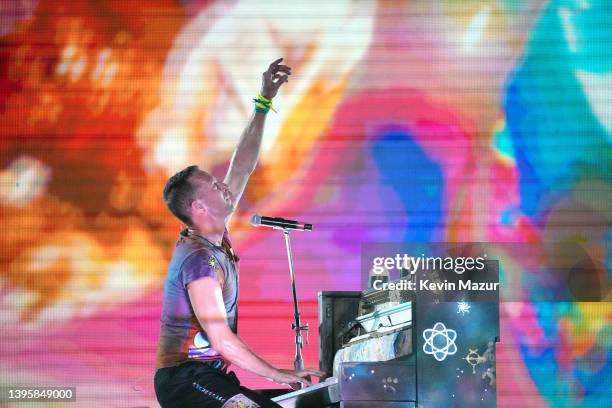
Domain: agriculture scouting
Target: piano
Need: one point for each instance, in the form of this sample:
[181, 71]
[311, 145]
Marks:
[404, 349]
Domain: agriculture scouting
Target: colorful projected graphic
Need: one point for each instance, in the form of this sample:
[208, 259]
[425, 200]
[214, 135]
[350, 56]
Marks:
[430, 120]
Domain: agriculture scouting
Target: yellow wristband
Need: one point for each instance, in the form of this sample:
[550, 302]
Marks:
[263, 98]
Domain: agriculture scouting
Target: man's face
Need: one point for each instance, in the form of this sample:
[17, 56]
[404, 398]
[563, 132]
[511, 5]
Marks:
[213, 195]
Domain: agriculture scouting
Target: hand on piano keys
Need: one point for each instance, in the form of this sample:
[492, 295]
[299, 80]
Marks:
[296, 379]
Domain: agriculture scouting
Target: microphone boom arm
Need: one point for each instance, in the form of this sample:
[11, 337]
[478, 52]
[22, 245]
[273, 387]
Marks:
[286, 226]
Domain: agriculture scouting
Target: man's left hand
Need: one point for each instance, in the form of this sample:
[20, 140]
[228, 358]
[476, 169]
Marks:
[273, 78]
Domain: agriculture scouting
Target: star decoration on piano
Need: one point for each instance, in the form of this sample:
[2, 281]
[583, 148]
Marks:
[463, 308]
[440, 341]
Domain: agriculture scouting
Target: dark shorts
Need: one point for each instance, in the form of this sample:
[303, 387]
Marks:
[196, 384]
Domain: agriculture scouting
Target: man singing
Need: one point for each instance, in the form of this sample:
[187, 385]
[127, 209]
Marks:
[198, 337]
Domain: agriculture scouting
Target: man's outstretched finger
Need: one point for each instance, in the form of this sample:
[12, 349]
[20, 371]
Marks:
[274, 64]
[316, 373]
[284, 68]
[311, 371]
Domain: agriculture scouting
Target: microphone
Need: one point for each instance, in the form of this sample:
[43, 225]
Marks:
[279, 223]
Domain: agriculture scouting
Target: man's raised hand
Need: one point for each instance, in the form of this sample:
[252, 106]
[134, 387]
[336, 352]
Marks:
[273, 78]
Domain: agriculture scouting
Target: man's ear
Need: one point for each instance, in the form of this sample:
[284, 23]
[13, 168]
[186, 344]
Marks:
[196, 206]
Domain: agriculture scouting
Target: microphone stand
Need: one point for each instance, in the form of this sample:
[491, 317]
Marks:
[297, 325]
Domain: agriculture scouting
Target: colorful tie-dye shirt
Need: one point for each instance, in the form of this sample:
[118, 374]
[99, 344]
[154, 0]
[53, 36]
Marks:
[181, 337]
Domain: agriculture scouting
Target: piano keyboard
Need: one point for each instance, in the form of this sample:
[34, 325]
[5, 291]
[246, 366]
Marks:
[323, 394]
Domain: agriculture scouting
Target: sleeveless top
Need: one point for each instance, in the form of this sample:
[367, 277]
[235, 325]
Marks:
[181, 337]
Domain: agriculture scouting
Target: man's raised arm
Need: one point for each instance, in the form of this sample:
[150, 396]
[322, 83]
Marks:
[244, 159]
